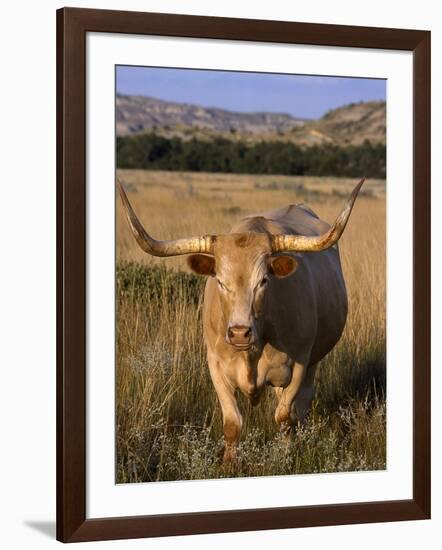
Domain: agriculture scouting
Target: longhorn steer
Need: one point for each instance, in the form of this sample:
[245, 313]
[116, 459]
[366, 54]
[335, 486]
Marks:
[275, 303]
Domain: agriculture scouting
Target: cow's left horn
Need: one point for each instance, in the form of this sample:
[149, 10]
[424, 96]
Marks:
[301, 243]
[191, 245]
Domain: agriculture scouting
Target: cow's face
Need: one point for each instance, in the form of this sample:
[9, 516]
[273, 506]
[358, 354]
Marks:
[243, 265]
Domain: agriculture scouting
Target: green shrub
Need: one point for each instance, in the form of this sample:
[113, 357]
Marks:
[153, 152]
[142, 283]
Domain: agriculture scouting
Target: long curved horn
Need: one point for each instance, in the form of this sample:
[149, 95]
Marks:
[191, 245]
[301, 243]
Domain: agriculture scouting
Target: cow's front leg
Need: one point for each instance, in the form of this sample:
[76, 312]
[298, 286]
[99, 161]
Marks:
[232, 419]
[304, 397]
[284, 414]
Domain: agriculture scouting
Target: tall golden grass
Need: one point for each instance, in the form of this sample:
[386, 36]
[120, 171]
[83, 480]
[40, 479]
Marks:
[168, 419]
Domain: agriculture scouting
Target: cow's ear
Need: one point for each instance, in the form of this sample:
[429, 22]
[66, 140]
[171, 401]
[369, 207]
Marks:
[281, 266]
[201, 264]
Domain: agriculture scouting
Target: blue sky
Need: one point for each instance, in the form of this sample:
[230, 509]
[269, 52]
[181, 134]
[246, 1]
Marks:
[298, 95]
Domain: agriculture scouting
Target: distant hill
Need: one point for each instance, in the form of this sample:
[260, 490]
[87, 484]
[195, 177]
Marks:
[351, 124]
[138, 113]
[354, 123]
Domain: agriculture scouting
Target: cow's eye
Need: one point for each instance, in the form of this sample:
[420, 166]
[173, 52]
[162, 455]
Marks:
[264, 281]
[220, 284]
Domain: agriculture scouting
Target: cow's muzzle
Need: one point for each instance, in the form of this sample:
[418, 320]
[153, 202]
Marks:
[240, 336]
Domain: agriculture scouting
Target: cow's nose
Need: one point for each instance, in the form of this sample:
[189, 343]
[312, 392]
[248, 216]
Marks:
[240, 335]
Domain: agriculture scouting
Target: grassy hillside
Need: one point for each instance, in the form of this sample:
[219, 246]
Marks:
[348, 125]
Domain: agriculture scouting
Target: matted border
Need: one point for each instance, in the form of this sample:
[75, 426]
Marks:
[72, 25]
[106, 498]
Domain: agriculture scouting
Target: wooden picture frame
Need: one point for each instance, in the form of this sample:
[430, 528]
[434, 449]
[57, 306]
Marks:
[72, 27]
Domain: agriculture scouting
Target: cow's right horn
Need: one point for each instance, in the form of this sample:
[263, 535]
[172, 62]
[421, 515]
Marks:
[303, 243]
[191, 245]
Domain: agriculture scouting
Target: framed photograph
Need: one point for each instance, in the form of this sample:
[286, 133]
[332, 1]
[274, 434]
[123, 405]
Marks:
[243, 274]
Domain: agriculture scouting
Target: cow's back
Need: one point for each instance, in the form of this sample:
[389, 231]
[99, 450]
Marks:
[297, 219]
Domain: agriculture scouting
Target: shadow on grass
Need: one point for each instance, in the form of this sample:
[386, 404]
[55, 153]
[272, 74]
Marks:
[363, 381]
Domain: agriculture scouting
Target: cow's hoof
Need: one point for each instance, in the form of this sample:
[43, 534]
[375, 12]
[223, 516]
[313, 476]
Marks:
[286, 430]
[229, 455]
[285, 425]
[282, 416]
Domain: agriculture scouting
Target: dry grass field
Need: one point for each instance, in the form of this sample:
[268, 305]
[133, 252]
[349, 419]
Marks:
[168, 420]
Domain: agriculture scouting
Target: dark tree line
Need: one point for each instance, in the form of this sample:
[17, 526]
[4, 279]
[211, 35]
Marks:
[150, 151]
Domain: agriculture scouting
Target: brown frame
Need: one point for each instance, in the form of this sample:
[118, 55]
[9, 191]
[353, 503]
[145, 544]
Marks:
[72, 26]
